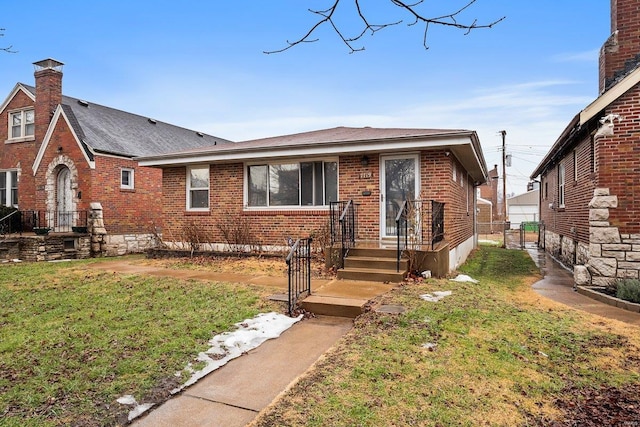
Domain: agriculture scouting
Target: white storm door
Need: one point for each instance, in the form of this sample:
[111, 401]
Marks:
[399, 181]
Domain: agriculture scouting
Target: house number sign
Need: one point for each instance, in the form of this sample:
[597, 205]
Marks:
[365, 175]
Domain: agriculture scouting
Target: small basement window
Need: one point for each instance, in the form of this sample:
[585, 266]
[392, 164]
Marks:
[69, 244]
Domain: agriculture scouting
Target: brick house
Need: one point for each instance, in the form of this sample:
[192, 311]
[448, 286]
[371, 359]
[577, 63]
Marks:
[63, 157]
[590, 178]
[283, 187]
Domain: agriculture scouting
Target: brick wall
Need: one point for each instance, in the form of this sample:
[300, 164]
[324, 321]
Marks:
[572, 221]
[618, 165]
[127, 211]
[356, 181]
[18, 155]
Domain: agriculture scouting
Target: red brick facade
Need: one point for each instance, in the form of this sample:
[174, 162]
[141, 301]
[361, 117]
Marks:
[357, 182]
[97, 179]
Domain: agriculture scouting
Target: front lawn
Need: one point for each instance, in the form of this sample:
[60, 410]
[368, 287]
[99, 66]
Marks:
[73, 340]
[493, 353]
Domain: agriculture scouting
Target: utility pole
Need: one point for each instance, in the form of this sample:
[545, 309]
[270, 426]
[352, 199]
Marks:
[505, 215]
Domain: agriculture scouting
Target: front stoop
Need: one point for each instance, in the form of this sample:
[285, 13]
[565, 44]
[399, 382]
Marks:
[333, 306]
[344, 298]
[373, 264]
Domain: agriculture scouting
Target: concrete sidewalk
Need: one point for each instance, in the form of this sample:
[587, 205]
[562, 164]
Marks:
[557, 285]
[234, 394]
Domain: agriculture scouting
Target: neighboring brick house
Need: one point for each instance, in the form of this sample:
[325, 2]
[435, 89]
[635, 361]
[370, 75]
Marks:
[489, 192]
[281, 187]
[590, 179]
[62, 156]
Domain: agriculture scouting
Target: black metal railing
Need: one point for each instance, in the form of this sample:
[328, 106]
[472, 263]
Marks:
[409, 229]
[343, 220]
[437, 222]
[9, 223]
[299, 272]
[56, 221]
[402, 228]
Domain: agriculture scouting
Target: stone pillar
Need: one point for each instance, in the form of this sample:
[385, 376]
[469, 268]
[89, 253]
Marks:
[96, 230]
[605, 244]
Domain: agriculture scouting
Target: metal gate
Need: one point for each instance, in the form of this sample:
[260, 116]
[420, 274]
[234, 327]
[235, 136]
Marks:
[299, 272]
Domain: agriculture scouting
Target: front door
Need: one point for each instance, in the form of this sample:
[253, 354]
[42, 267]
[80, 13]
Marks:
[398, 182]
[64, 209]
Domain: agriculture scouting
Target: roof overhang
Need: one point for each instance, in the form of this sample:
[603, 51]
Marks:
[464, 145]
[604, 100]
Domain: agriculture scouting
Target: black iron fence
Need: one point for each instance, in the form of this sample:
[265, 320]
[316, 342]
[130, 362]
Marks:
[344, 222]
[44, 221]
[299, 272]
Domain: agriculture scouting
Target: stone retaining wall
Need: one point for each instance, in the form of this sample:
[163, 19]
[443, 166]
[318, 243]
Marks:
[612, 255]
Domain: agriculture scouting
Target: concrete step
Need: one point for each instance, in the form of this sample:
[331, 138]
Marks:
[374, 275]
[334, 306]
[373, 252]
[375, 263]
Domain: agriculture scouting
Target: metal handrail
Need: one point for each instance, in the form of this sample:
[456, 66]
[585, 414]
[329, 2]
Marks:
[3, 226]
[402, 212]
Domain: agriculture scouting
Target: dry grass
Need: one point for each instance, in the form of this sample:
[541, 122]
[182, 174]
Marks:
[504, 357]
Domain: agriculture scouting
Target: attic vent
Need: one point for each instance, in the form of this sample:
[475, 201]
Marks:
[83, 103]
[200, 134]
[152, 121]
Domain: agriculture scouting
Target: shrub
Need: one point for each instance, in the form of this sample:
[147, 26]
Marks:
[629, 290]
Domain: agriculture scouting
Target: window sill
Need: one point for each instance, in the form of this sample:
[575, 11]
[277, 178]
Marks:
[17, 140]
[197, 213]
[127, 190]
[286, 208]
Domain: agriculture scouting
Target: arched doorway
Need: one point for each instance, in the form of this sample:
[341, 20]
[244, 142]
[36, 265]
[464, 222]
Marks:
[64, 195]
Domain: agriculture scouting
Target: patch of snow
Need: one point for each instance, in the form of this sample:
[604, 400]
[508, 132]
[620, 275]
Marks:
[426, 274]
[248, 335]
[430, 346]
[229, 345]
[138, 409]
[435, 296]
[489, 242]
[464, 278]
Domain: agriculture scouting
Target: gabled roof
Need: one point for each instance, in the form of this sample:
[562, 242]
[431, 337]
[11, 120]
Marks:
[110, 131]
[464, 144]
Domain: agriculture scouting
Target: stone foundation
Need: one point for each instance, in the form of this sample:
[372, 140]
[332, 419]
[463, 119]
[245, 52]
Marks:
[611, 255]
[122, 244]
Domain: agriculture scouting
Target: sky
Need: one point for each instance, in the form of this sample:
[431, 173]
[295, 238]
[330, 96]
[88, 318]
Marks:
[201, 65]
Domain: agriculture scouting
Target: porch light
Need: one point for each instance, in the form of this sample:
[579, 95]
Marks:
[364, 161]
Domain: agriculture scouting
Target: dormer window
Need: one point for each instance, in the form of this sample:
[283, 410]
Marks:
[22, 124]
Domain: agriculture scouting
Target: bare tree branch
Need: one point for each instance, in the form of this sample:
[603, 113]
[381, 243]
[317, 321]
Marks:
[327, 16]
[7, 49]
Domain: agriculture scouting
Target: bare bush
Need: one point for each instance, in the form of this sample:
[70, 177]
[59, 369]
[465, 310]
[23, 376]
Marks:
[237, 233]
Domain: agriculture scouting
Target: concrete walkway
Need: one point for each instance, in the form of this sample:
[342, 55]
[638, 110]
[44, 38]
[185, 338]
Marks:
[557, 285]
[234, 394]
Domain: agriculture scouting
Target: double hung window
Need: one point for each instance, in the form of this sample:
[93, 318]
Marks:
[9, 188]
[21, 124]
[198, 188]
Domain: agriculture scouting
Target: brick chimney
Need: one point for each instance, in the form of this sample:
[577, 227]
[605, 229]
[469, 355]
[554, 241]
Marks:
[48, 76]
[620, 54]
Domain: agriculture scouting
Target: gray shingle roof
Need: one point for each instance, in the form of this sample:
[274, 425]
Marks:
[332, 136]
[112, 131]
